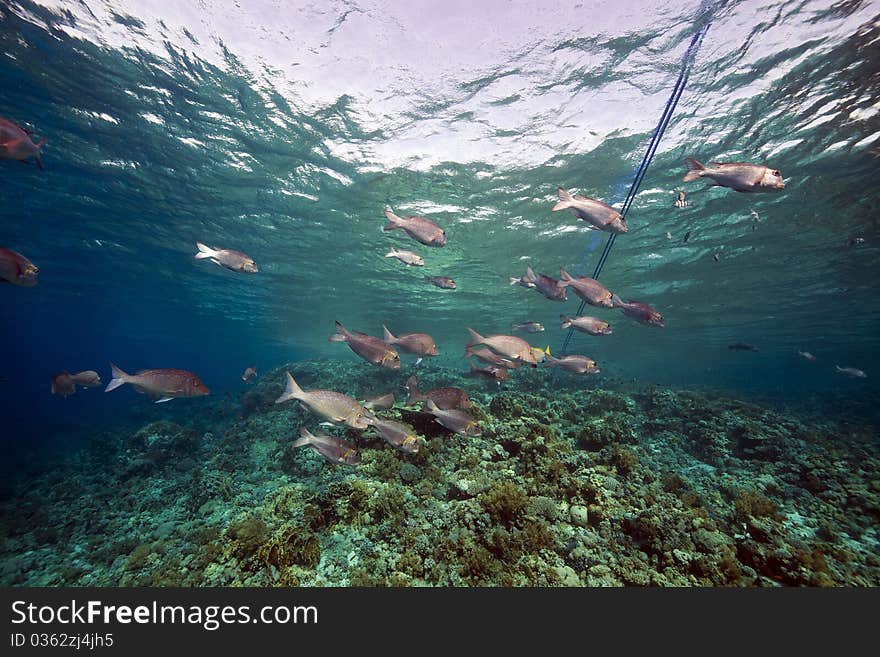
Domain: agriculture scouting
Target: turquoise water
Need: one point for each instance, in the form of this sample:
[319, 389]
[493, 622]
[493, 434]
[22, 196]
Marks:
[285, 132]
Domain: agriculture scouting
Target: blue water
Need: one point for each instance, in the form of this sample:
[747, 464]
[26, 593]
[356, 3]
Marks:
[151, 149]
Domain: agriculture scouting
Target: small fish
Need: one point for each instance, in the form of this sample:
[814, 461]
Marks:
[851, 372]
[86, 379]
[445, 398]
[455, 420]
[234, 260]
[16, 269]
[738, 176]
[442, 282]
[159, 385]
[855, 241]
[334, 406]
[639, 311]
[742, 346]
[528, 327]
[370, 348]
[574, 363]
[491, 372]
[546, 285]
[488, 356]
[687, 236]
[330, 447]
[406, 257]
[600, 216]
[417, 344]
[509, 346]
[755, 215]
[589, 325]
[668, 235]
[588, 289]
[681, 201]
[397, 434]
[16, 144]
[250, 374]
[716, 257]
[62, 384]
[385, 401]
[806, 355]
[419, 228]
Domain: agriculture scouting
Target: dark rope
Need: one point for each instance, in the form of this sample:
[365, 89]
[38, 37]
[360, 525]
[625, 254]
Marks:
[677, 90]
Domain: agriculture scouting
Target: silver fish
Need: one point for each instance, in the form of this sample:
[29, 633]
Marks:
[397, 434]
[588, 289]
[851, 372]
[489, 356]
[454, 420]
[574, 363]
[443, 282]
[370, 348]
[528, 327]
[599, 215]
[419, 228]
[806, 355]
[86, 379]
[546, 285]
[739, 176]
[509, 346]
[234, 260]
[333, 406]
[330, 447]
[417, 344]
[406, 257]
[589, 325]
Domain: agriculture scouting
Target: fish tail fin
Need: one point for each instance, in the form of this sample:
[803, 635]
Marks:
[431, 407]
[565, 199]
[514, 280]
[305, 438]
[291, 390]
[204, 251]
[393, 220]
[341, 334]
[616, 301]
[838, 368]
[695, 169]
[392, 252]
[530, 274]
[565, 277]
[547, 350]
[118, 378]
[566, 322]
[412, 389]
[476, 338]
[387, 336]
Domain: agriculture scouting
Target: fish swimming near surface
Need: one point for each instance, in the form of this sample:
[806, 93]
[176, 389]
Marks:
[16, 269]
[528, 327]
[445, 398]
[855, 241]
[546, 285]
[250, 375]
[738, 176]
[397, 434]
[160, 385]
[806, 355]
[574, 363]
[588, 289]
[443, 282]
[509, 346]
[639, 311]
[406, 257]
[589, 325]
[491, 372]
[681, 201]
[333, 406]
[742, 346]
[455, 420]
[16, 144]
[417, 344]
[330, 447]
[488, 356]
[370, 348]
[851, 372]
[385, 401]
[420, 229]
[234, 260]
[599, 215]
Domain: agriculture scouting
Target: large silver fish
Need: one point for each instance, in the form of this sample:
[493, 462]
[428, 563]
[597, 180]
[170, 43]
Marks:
[739, 176]
[589, 325]
[417, 344]
[406, 257]
[508, 346]
[330, 405]
[234, 260]
[397, 434]
[599, 215]
[574, 363]
[370, 348]
[330, 447]
[588, 289]
[454, 420]
[419, 228]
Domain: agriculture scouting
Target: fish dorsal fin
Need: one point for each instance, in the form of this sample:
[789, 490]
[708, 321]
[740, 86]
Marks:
[163, 399]
[579, 197]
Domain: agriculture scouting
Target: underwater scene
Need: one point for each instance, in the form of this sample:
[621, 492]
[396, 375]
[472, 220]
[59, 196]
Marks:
[380, 293]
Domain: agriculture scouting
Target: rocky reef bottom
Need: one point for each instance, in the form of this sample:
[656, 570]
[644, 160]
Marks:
[570, 484]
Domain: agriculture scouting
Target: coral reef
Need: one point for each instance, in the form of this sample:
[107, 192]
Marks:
[566, 486]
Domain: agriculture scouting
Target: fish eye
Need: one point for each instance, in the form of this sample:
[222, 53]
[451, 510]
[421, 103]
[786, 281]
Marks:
[776, 173]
